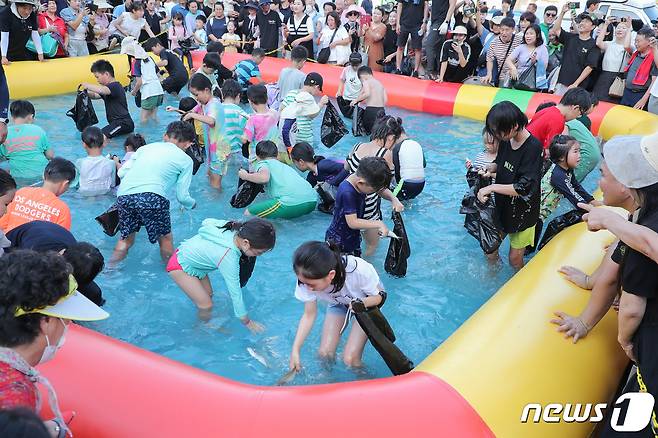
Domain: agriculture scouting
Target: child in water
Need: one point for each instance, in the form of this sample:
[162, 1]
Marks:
[324, 274]
[262, 124]
[218, 246]
[487, 156]
[319, 168]
[291, 195]
[97, 173]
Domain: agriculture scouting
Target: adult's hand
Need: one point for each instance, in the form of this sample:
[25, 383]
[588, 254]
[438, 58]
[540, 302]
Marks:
[40, 57]
[628, 349]
[5, 61]
[597, 218]
[486, 79]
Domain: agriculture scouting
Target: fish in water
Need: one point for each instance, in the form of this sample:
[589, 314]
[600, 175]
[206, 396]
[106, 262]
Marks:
[286, 378]
[257, 356]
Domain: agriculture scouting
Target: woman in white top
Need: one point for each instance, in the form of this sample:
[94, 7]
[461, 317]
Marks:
[323, 274]
[147, 82]
[132, 23]
[336, 38]
[616, 54]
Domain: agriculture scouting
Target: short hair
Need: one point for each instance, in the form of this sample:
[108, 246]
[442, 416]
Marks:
[550, 8]
[258, 53]
[577, 96]
[22, 422]
[192, 1]
[528, 16]
[136, 141]
[7, 182]
[215, 46]
[332, 5]
[509, 2]
[298, 53]
[59, 170]
[20, 109]
[231, 89]
[508, 22]
[364, 70]
[136, 5]
[150, 43]
[503, 117]
[201, 18]
[303, 151]
[211, 60]
[646, 31]
[187, 104]
[375, 171]
[102, 66]
[544, 105]
[86, 260]
[539, 36]
[257, 94]
[200, 82]
[181, 131]
[266, 149]
[92, 137]
[589, 3]
[335, 16]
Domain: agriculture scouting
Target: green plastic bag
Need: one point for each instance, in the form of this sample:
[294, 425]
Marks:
[48, 43]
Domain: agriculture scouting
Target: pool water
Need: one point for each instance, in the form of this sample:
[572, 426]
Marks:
[447, 280]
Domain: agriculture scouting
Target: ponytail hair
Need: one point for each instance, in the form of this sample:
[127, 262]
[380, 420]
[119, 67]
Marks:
[316, 260]
[385, 126]
[304, 151]
[560, 147]
[259, 232]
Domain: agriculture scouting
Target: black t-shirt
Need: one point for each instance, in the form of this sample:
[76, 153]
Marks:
[390, 40]
[269, 26]
[522, 168]
[412, 14]
[440, 10]
[41, 236]
[286, 12]
[329, 170]
[174, 66]
[154, 23]
[20, 31]
[577, 55]
[116, 106]
[223, 74]
[455, 72]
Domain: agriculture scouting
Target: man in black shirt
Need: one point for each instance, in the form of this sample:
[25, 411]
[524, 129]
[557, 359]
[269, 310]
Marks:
[518, 176]
[222, 73]
[270, 27]
[442, 12]
[178, 76]
[411, 23]
[114, 96]
[580, 56]
[454, 57]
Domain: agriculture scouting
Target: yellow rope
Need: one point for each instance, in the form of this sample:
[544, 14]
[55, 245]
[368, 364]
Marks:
[643, 388]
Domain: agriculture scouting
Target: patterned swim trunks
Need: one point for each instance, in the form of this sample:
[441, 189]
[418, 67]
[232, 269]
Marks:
[144, 209]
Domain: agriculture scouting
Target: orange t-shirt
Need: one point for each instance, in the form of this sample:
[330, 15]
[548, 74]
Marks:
[35, 204]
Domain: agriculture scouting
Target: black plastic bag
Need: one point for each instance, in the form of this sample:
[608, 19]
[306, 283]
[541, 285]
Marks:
[246, 193]
[327, 194]
[381, 336]
[332, 128]
[560, 223]
[197, 154]
[357, 122]
[109, 220]
[247, 265]
[480, 222]
[398, 250]
[83, 113]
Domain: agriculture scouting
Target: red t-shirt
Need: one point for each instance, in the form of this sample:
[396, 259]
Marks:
[546, 124]
[16, 389]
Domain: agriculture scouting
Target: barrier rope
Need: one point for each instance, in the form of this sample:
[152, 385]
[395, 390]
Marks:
[643, 388]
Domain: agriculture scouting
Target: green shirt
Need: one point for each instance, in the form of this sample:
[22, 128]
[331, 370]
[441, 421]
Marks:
[590, 153]
[24, 148]
[285, 184]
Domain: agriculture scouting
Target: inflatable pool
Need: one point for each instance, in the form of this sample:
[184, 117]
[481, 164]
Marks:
[474, 385]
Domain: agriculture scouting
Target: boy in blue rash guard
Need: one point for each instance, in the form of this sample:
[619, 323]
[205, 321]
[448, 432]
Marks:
[248, 69]
[219, 246]
[319, 168]
[372, 176]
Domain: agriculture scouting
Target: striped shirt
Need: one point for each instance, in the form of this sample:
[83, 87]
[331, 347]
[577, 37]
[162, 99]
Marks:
[235, 119]
[296, 102]
[245, 70]
[498, 50]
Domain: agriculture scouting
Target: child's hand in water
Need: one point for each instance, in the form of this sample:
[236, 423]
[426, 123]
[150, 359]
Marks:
[255, 327]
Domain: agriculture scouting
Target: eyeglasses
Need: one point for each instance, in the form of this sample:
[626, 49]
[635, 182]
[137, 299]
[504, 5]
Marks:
[550, 14]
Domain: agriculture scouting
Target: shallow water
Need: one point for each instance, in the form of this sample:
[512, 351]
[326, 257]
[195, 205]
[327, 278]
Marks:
[447, 280]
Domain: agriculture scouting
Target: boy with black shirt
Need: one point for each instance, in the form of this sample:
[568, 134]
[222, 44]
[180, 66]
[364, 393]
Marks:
[178, 76]
[580, 56]
[518, 175]
[270, 27]
[222, 72]
[114, 96]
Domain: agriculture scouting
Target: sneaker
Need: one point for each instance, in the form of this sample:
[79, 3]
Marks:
[414, 74]
[396, 71]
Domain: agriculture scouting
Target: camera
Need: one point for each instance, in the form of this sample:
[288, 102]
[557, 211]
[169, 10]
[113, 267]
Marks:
[574, 5]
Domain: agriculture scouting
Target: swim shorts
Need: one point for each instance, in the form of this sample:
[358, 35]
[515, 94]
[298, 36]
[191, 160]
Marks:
[144, 209]
[273, 209]
[118, 127]
[370, 116]
[523, 238]
[153, 102]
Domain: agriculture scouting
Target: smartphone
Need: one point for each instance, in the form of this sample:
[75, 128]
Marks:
[574, 5]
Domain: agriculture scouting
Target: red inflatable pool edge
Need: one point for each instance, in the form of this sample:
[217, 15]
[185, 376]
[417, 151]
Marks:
[119, 390]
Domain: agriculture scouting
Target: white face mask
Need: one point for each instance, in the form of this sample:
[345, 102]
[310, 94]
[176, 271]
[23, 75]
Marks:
[50, 350]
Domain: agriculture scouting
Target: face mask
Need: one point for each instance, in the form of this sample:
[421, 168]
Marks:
[50, 350]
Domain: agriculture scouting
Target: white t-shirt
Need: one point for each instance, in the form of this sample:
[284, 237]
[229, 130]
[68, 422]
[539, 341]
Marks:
[352, 83]
[361, 281]
[411, 161]
[131, 26]
[151, 85]
[96, 175]
[339, 54]
[612, 58]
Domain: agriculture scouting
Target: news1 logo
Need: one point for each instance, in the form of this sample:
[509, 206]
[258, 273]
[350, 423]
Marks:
[631, 412]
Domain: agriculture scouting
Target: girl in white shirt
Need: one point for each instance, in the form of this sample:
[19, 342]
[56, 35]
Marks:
[323, 274]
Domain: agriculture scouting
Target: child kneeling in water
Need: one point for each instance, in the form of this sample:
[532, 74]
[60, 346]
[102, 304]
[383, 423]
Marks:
[320, 169]
[291, 195]
[324, 274]
[218, 246]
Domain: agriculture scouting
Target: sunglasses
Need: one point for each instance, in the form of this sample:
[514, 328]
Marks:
[550, 14]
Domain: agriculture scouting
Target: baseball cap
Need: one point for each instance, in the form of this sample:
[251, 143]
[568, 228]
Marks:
[265, 2]
[314, 78]
[355, 58]
[461, 30]
[73, 306]
[633, 159]
[497, 19]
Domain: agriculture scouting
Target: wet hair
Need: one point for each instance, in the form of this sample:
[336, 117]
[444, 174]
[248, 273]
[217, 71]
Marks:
[86, 260]
[257, 94]
[364, 70]
[648, 201]
[212, 60]
[7, 182]
[528, 16]
[503, 117]
[646, 31]
[304, 151]
[22, 422]
[385, 126]
[259, 232]
[550, 8]
[539, 37]
[134, 141]
[258, 53]
[266, 149]
[231, 89]
[29, 280]
[315, 260]
[59, 170]
[333, 14]
[102, 66]
[181, 131]
[545, 105]
[375, 171]
[187, 104]
[150, 43]
[560, 147]
[215, 46]
[200, 82]
[508, 22]
[577, 96]
[298, 54]
[21, 109]
[92, 137]
[201, 18]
